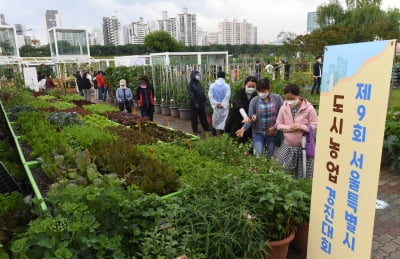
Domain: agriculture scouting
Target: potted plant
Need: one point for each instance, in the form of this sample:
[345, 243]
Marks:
[173, 101]
[183, 100]
[266, 202]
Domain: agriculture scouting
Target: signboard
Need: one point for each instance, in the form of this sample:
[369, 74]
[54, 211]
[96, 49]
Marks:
[130, 61]
[354, 96]
[30, 78]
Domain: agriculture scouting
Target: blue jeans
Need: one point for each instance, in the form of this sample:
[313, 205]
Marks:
[262, 142]
[101, 93]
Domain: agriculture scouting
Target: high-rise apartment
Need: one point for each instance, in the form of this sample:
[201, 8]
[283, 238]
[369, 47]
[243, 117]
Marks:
[22, 38]
[52, 19]
[96, 37]
[2, 19]
[135, 32]
[166, 24]
[183, 28]
[312, 22]
[186, 28]
[236, 33]
[112, 31]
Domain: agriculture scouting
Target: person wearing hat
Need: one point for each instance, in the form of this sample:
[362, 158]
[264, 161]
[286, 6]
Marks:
[124, 97]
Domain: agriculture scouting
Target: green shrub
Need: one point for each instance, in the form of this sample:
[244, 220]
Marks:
[63, 119]
[93, 222]
[124, 160]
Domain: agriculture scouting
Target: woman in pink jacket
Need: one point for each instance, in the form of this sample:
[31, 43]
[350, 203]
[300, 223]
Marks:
[293, 119]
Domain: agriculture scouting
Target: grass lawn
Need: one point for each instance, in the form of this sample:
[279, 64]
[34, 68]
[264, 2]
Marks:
[394, 98]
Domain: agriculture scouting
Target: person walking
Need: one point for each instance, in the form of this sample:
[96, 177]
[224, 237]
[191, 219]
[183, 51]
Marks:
[257, 68]
[86, 85]
[295, 118]
[145, 97]
[49, 82]
[101, 86]
[94, 80]
[263, 111]
[197, 100]
[219, 94]
[78, 82]
[124, 97]
[240, 107]
[270, 70]
[287, 70]
[317, 75]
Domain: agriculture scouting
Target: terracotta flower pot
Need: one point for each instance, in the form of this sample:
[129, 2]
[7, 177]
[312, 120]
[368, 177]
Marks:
[279, 249]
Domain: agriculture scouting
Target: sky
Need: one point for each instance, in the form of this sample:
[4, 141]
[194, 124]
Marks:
[270, 16]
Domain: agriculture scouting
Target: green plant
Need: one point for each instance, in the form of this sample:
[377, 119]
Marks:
[221, 221]
[98, 121]
[47, 97]
[63, 119]
[391, 138]
[71, 97]
[93, 222]
[100, 108]
[38, 133]
[15, 96]
[124, 160]
[164, 244]
[252, 208]
[194, 169]
[14, 217]
[57, 93]
[81, 137]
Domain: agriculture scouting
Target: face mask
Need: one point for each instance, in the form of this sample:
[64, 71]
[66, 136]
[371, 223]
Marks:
[250, 90]
[263, 95]
[143, 85]
[197, 77]
[123, 86]
[293, 102]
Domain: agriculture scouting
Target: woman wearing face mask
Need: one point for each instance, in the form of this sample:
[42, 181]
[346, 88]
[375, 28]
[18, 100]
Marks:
[197, 99]
[124, 97]
[240, 104]
[263, 111]
[293, 120]
[145, 97]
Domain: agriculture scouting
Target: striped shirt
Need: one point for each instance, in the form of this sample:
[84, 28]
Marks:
[268, 114]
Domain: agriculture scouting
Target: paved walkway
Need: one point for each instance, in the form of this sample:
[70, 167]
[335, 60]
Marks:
[386, 239]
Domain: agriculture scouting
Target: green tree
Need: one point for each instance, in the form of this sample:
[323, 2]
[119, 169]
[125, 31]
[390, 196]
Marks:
[160, 41]
[362, 20]
[368, 20]
[30, 51]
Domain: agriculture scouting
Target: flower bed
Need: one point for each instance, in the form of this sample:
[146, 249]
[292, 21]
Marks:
[105, 179]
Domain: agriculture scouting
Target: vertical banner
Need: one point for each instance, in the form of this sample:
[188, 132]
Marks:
[353, 104]
[30, 78]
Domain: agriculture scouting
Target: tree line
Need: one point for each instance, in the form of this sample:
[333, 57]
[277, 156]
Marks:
[140, 49]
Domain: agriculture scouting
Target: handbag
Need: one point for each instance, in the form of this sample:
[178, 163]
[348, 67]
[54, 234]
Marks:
[279, 138]
[310, 143]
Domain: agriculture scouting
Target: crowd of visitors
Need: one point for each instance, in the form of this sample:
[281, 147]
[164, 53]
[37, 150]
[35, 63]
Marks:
[276, 126]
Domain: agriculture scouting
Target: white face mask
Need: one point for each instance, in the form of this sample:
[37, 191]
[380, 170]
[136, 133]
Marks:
[197, 77]
[293, 102]
[250, 90]
[263, 95]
